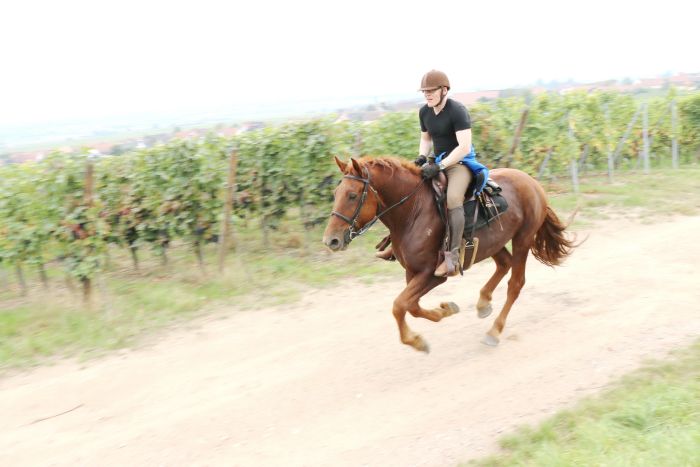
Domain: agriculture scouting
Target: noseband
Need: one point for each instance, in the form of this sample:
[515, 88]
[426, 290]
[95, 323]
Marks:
[352, 233]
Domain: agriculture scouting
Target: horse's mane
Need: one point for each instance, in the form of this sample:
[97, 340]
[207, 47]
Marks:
[390, 162]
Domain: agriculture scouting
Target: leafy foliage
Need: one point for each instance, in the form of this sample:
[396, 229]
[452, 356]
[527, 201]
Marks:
[152, 197]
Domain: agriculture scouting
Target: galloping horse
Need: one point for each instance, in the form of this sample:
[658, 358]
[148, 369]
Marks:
[392, 191]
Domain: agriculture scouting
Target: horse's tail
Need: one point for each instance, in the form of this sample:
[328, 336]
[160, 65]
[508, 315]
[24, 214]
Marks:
[551, 244]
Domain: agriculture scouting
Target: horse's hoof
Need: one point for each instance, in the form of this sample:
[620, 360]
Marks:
[421, 345]
[490, 340]
[484, 312]
[449, 308]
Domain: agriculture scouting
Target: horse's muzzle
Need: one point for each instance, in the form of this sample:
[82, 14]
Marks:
[335, 242]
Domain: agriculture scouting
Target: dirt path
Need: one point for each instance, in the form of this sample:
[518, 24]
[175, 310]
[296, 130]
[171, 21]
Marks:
[327, 382]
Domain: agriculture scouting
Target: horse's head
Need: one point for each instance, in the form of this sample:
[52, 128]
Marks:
[355, 204]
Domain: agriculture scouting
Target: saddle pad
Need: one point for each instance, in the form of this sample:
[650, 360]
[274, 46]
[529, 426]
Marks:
[485, 215]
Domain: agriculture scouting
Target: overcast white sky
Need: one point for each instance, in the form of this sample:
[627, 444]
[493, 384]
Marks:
[73, 59]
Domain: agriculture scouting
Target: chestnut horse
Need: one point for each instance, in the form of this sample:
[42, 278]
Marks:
[392, 191]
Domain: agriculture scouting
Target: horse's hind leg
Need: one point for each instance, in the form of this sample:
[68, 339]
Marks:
[408, 301]
[503, 261]
[515, 284]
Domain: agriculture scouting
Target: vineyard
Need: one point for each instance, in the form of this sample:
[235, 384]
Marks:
[67, 212]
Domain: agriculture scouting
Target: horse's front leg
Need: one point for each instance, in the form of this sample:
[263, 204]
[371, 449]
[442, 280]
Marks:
[408, 301]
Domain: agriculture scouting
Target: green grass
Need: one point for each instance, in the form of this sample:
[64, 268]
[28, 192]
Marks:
[650, 418]
[129, 304]
[663, 193]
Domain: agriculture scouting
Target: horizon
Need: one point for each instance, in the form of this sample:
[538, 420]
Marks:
[78, 62]
[49, 134]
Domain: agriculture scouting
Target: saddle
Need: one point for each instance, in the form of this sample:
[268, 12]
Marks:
[479, 211]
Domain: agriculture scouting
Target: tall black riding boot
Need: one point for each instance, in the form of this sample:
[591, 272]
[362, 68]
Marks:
[450, 267]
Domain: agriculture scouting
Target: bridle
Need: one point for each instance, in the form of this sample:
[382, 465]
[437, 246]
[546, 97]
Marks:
[351, 233]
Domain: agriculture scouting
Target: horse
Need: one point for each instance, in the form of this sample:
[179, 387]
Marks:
[392, 191]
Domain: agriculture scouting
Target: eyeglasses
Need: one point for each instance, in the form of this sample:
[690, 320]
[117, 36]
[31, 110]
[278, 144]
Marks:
[429, 91]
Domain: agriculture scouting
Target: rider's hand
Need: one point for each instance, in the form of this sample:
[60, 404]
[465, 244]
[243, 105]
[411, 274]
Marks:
[430, 170]
[420, 160]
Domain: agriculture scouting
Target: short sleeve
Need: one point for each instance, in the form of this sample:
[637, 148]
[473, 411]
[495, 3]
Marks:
[460, 117]
[421, 117]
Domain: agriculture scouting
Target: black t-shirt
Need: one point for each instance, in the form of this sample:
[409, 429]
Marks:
[442, 127]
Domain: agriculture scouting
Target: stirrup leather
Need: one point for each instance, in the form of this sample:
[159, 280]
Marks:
[467, 253]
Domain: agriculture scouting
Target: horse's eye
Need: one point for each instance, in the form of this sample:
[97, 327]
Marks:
[352, 195]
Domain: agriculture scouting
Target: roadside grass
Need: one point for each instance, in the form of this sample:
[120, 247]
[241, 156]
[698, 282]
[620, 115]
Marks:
[129, 303]
[632, 195]
[649, 418]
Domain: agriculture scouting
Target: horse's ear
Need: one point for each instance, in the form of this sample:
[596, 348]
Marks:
[356, 165]
[341, 165]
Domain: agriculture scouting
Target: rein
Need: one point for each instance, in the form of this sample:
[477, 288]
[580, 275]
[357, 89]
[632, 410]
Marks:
[352, 233]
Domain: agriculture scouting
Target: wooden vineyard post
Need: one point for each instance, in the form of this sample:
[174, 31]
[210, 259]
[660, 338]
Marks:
[674, 134]
[607, 132]
[645, 137]
[621, 143]
[574, 175]
[20, 279]
[543, 166]
[261, 194]
[43, 276]
[516, 138]
[584, 155]
[87, 201]
[302, 216]
[226, 238]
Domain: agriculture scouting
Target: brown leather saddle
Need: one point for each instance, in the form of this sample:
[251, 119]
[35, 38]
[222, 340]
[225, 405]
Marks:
[479, 210]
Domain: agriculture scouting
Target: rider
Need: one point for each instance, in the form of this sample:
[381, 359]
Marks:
[446, 126]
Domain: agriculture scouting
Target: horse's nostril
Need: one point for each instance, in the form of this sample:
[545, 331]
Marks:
[335, 243]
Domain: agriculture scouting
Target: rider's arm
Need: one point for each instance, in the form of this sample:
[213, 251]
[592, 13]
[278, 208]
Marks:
[426, 143]
[464, 138]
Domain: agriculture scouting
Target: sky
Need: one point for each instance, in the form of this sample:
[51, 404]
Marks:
[71, 59]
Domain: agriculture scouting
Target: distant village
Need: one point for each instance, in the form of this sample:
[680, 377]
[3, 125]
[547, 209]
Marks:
[681, 81]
